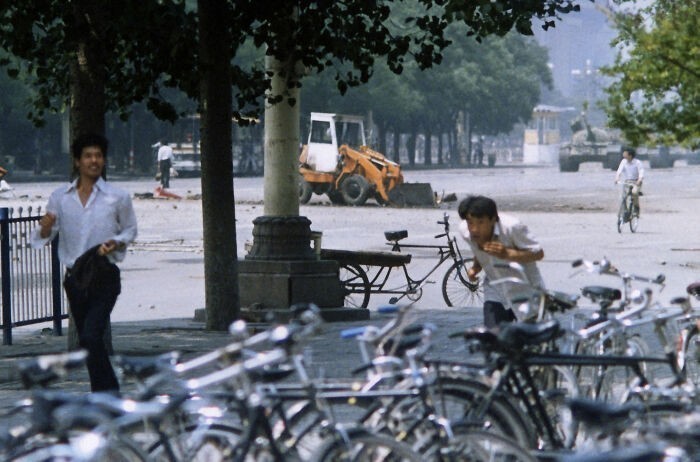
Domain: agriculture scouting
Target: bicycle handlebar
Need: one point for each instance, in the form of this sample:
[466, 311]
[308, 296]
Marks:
[605, 267]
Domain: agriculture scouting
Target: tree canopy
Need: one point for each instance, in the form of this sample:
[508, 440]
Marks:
[656, 96]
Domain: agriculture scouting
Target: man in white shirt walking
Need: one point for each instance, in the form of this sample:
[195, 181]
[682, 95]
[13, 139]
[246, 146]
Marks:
[631, 170]
[95, 221]
[165, 156]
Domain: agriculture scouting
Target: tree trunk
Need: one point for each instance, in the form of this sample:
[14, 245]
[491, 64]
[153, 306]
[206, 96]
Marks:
[454, 152]
[397, 142]
[219, 217]
[381, 134]
[428, 150]
[411, 148]
[87, 71]
[440, 147]
[282, 142]
[87, 97]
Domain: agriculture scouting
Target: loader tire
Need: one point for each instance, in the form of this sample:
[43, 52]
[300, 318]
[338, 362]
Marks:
[336, 197]
[355, 190]
[305, 191]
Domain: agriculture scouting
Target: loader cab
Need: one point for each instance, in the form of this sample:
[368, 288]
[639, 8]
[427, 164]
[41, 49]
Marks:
[327, 133]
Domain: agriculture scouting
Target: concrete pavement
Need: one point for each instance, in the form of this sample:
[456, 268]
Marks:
[331, 356]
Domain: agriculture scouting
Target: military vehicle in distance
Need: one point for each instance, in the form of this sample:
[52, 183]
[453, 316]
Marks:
[595, 144]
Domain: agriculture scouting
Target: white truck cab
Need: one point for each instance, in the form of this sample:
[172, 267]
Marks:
[327, 133]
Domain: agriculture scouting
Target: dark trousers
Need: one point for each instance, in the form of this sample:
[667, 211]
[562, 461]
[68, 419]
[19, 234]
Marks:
[165, 173]
[495, 313]
[91, 309]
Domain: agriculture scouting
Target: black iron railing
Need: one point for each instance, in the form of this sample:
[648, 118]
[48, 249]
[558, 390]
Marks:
[31, 278]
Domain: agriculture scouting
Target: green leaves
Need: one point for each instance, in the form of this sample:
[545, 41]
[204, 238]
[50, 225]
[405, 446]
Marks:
[656, 95]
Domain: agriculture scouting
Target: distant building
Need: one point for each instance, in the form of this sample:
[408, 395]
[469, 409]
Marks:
[542, 138]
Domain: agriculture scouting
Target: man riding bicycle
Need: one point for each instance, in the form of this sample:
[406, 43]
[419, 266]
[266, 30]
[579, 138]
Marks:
[632, 170]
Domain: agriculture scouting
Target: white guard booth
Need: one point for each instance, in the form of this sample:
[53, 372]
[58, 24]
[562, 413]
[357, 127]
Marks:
[542, 138]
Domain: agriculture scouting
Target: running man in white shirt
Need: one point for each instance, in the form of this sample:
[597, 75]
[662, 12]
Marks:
[95, 220]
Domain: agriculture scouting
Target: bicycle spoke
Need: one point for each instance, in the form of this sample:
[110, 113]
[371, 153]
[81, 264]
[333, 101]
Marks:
[458, 290]
[355, 285]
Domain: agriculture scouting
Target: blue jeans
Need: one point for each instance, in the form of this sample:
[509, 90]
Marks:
[495, 313]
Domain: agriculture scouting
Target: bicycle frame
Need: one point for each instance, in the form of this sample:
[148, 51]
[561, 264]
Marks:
[625, 213]
[516, 378]
[445, 253]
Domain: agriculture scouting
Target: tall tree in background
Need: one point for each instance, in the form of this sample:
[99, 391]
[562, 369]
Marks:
[656, 97]
[95, 56]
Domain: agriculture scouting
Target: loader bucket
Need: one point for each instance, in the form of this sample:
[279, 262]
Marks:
[412, 195]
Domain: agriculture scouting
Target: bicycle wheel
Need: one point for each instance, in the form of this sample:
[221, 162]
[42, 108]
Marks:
[116, 448]
[634, 223]
[357, 444]
[614, 382]
[692, 357]
[621, 215]
[120, 449]
[458, 290]
[558, 383]
[195, 443]
[469, 444]
[654, 414]
[355, 285]
[457, 398]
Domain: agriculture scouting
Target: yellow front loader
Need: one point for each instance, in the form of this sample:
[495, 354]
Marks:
[352, 175]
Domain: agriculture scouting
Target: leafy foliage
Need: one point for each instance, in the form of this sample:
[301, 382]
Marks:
[150, 48]
[498, 80]
[656, 97]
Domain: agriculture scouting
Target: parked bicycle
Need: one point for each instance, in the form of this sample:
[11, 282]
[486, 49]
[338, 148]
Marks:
[365, 273]
[627, 213]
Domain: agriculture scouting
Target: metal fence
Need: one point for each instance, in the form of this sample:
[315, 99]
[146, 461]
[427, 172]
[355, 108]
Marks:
[31, 278]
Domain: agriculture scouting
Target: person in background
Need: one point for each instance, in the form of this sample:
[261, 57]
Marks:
[165, 156]
[631, 170]
[497, 238]
[95, 221]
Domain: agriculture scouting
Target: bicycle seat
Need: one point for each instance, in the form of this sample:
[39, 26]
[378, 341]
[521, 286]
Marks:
[395, 235]
[694, 289]
[519, 334]
[602, 414]
[140, 367]
[560, 301]
[596, 293]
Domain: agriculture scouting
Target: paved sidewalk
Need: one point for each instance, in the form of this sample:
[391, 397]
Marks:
[331, 356]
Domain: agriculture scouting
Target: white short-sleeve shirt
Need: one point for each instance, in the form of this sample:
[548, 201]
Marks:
[512, 233]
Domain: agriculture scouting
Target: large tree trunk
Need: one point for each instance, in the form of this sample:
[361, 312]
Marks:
[282, 143]
[87, 96]
[87, 71]
[219, 217]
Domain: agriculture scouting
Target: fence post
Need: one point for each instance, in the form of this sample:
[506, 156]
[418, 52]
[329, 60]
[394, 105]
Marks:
[56, 289]
[6, 276]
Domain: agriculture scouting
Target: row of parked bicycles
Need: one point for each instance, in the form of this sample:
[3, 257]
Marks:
[565, 384]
